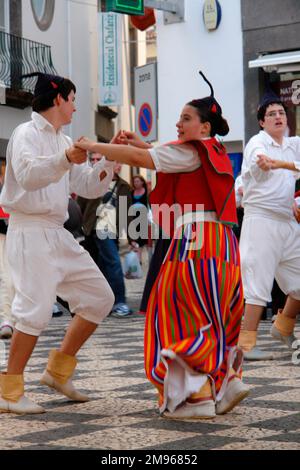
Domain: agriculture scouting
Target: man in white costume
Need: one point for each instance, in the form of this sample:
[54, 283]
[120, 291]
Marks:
[42, 169]
[270, 237]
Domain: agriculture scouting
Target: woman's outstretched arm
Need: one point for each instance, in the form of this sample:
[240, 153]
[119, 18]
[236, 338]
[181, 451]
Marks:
[131, 155]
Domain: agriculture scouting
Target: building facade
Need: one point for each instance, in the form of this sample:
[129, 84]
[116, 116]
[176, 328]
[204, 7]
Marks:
[186, 47]
[48, 36]
[62, 37]
[271, 50]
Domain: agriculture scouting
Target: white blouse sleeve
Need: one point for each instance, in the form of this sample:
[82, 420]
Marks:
[175, 158]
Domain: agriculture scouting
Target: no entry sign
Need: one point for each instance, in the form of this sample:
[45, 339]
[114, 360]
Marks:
[146, 102]
[145, 119]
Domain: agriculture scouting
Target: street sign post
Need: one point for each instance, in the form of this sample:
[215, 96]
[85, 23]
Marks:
[129, 7]
[145, 86]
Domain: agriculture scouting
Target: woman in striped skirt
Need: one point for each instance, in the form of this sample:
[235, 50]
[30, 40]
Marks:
[196, 304]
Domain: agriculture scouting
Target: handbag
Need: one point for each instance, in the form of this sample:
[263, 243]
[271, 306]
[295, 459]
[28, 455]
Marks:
[132, 267]
[106, 225]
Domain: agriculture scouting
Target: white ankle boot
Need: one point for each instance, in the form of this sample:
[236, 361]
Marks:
[205, 410]
[235, 392]
[66, 389]
[21, 407]
[288, 340]
[12, 398]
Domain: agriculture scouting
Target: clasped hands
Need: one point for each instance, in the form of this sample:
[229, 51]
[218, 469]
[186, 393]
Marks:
[77, 153]
[121, 138]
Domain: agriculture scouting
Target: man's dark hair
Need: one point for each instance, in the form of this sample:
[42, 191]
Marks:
[44, 102]
[261, 112]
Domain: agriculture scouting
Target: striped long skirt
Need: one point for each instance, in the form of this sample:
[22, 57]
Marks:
[194, 314]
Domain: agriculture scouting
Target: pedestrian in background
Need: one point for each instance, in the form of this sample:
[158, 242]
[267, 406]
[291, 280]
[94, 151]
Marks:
[140, 205]
[101, 226]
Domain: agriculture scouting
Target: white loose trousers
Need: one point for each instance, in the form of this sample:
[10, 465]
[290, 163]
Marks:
[6, 287]
[47, 261]
[269, 249]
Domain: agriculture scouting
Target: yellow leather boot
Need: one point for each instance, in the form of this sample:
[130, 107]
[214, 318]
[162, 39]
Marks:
[247, 342]
[283, 330]
[13, 399]
[58, 375]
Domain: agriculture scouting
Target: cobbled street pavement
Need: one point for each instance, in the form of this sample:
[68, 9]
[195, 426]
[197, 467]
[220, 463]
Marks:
[122, 413]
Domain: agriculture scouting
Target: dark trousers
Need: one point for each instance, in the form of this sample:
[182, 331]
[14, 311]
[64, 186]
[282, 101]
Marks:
[160, 251]
[109, 263]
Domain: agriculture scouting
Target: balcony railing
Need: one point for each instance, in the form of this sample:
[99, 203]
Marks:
[20, 56]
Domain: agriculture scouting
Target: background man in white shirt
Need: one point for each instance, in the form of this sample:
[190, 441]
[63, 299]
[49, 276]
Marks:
[42, 169]
[270, 237]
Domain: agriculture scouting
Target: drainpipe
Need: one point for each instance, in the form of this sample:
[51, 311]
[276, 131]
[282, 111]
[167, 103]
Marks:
[69, 49]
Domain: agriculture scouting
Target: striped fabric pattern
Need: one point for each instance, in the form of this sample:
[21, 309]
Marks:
[196, 305]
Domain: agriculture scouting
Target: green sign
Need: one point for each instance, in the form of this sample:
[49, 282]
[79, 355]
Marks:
[130, 7]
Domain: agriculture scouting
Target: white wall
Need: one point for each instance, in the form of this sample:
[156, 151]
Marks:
[183, 49]
[56, 36]
[73, 39]
[10, 118]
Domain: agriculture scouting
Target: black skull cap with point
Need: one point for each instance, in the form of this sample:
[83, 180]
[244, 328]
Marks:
[269, 98]
[45, 83]
[210, 101]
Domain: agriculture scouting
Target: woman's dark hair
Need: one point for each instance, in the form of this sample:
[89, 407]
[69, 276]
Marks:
[44, 102]
[209, 110]
[261, 112]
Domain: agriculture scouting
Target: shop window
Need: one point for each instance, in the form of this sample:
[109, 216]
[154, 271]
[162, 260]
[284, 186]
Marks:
[283, 85]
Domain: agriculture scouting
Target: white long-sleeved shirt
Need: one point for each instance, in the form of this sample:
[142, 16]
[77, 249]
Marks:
[270, 193]
[39, 178]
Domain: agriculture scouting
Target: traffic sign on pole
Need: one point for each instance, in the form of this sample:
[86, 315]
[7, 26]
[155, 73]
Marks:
[145, 91]
[145, 119]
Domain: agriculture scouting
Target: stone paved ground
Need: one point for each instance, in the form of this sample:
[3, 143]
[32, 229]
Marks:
[122, 413]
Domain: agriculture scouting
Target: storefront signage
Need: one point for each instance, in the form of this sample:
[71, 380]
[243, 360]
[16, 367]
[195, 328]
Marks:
[290, 92]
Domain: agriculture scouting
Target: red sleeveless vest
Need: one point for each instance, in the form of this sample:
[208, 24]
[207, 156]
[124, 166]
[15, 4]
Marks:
[212, 184]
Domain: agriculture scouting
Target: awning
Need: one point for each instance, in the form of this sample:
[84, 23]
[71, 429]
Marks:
[280, 63]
